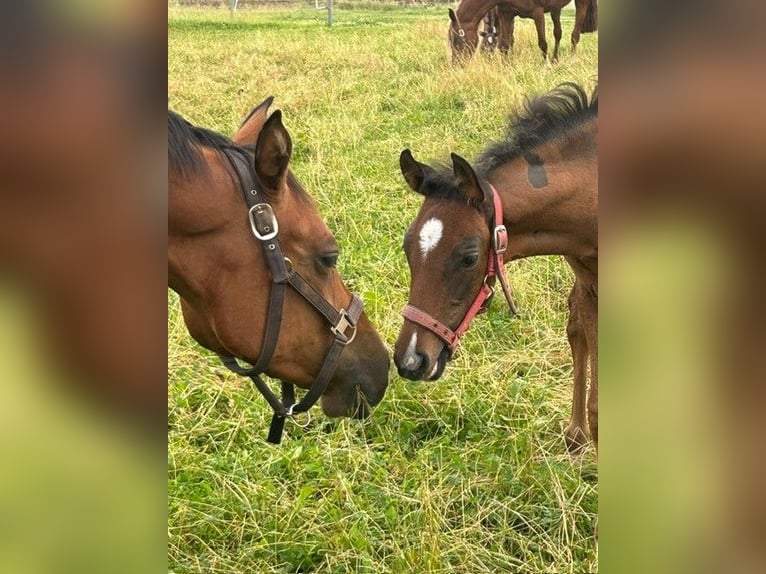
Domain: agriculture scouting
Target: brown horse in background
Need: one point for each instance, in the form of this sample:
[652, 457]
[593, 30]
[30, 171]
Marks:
[464, 23]
[221, 259]
[535, 193]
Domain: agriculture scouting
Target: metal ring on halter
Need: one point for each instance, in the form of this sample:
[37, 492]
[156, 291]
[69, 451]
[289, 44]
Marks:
[290, 415]
[500, 239]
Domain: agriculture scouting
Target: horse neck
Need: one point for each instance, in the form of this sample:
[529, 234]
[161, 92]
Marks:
[474, 11]
[559, 218]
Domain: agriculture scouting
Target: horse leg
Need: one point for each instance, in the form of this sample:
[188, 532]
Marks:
[556, 19]
[539, 17]
[589, 317]
[506, 32]
[576, 437]
[581, 7]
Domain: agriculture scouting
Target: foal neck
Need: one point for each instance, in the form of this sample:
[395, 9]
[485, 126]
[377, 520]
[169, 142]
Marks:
[549, 208]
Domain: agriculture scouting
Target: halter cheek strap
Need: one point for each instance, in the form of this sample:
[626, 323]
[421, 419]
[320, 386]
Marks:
[495, 268]
[459, 26]
[343, 322]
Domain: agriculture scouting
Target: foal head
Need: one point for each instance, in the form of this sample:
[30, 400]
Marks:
[219, 270]
[447, 249]
[489, 35]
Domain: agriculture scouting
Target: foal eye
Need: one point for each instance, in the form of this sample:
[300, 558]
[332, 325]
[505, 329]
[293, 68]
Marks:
[329, 260]
[469, 260]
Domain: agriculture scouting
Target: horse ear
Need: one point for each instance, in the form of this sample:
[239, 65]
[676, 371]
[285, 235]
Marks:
[413, 171]
[452, 16]
[467, 180]
[247, 134]
[272, 152]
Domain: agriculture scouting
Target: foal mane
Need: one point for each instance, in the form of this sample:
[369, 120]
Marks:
[185, 140]
[540, 120]
[439, 183]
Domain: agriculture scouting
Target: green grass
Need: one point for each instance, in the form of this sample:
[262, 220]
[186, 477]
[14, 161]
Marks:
[467, 475]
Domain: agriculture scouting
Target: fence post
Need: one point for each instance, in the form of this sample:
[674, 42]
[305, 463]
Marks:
[329, 12]
[233, 6]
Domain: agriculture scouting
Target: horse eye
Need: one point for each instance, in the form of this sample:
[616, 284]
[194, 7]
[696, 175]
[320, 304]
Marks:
[329, 260]
[470, 260]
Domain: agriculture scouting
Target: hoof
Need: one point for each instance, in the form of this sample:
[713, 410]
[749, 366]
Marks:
[576, 439]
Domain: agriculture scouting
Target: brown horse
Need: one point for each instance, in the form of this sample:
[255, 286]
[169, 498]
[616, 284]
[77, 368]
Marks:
[229, 264]
[535, 193]
[464, 24]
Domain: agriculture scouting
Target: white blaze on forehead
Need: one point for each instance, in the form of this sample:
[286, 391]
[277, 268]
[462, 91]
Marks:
[430, 235]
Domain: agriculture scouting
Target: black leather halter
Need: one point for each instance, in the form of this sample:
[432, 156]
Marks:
[343, 323]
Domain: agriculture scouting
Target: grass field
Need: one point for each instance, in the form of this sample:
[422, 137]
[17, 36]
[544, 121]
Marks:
[466, 475]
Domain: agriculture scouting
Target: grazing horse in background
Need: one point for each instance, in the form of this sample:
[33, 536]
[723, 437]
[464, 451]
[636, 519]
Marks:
[464, 23]
[248, 254]
[534, 193]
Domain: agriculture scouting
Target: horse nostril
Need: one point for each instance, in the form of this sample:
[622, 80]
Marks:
[411, 364]
[413, 361]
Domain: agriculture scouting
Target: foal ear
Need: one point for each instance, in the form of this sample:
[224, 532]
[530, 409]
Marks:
[272, 152]
[413, 171]
[247, 134]
[467, 180]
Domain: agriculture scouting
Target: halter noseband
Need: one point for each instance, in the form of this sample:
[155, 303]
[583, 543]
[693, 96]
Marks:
[495, 268]
[343, 323]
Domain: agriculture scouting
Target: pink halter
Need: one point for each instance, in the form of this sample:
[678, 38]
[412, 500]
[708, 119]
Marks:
[495, 268]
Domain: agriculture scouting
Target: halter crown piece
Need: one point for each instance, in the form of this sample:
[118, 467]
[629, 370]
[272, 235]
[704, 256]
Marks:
[495, 268]
[343, 322]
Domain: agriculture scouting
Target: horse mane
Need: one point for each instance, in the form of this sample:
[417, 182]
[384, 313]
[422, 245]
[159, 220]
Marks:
[439, 183]
[540, 120]
[185, 140]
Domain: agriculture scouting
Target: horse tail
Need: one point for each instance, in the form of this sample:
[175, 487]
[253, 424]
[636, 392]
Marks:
[591, 17]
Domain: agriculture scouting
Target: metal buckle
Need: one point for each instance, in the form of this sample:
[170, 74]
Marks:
[260, 209]
[500, 239]
[339, 330]
[461, 32]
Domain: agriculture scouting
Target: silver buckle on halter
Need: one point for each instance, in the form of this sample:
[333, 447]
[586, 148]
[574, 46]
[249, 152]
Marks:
[339, 330]
[270, 230]
[500, 239]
